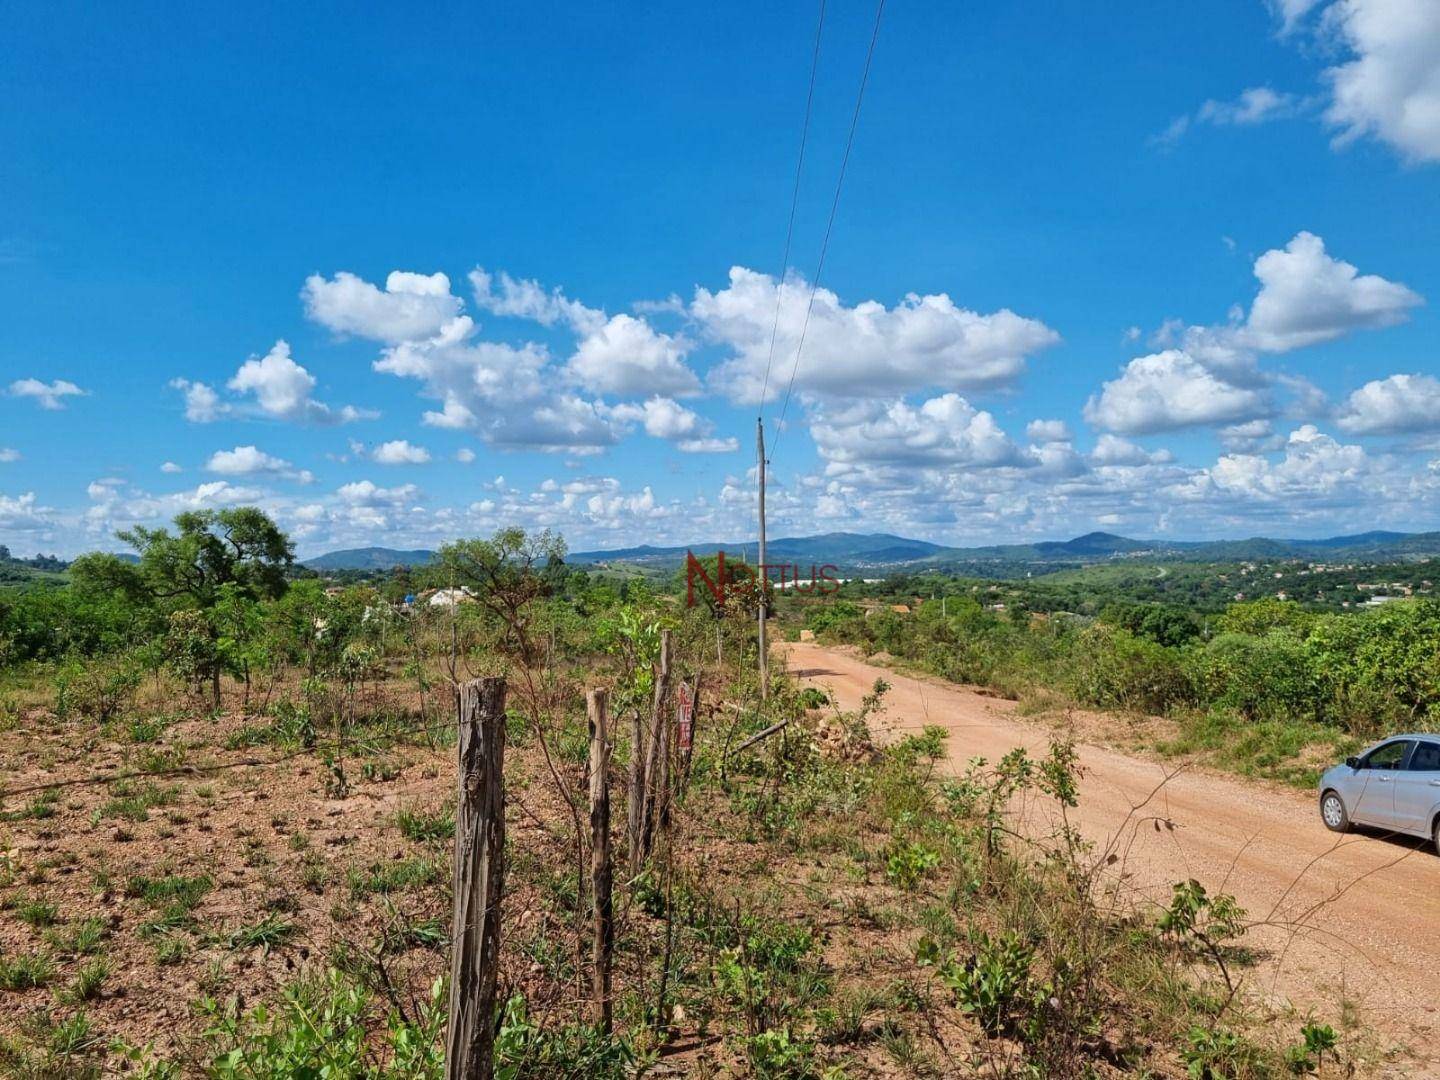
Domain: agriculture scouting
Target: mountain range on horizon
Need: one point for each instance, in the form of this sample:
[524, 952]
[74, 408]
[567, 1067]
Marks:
[860, 551]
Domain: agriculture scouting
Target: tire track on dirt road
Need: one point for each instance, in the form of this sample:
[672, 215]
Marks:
[1369, 905]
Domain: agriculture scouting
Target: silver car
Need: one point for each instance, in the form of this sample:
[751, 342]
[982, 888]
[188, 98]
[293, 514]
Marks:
[1394, 785]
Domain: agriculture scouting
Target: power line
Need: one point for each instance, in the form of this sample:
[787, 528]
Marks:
[830, 224]
[794, 202]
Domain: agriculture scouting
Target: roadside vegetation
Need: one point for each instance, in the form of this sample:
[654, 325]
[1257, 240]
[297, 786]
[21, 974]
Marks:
[227, 809]
[1264, 687]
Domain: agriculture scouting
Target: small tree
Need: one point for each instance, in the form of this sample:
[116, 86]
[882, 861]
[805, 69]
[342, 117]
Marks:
[507, 574]
[229, 555]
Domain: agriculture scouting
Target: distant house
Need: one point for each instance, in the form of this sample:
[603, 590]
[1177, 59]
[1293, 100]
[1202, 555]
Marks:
[444, 598]
[1376, 601]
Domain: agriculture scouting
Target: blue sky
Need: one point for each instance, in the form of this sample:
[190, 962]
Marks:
[1166, 272]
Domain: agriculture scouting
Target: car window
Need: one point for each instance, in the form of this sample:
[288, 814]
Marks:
[1426, 757]
[1388, 756]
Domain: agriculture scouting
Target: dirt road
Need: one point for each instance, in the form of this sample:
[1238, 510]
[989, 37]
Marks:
[1370, 906]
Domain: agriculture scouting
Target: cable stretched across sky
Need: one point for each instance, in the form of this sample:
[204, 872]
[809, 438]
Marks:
[794, 200]
[829, 227]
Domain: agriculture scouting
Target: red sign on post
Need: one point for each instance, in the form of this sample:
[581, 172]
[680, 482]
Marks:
[684, 716]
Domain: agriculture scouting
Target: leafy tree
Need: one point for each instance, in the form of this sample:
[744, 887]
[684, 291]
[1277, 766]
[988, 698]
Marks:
[215, 558]
[212, 549]
[1160, 623]
[506, 574]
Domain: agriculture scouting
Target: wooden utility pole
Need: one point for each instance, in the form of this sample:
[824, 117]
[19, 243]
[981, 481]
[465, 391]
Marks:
[479, 872]
[603, 941]
[760, 579]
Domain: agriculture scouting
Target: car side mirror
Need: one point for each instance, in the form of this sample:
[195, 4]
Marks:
[1353, 762]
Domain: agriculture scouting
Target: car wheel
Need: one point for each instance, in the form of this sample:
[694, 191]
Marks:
[1435, 835]
[1333, 814]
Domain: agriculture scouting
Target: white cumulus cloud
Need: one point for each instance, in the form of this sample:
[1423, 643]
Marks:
[250, 461]
[1307, 296]
[202, 403]
[1113, 450]
[1047, 431]
[25, 514]
[1396, 405]
[857, 351]
[627, 356]
[1169, 390]
[49, 395]
[282, 389]
[1390, 87]
[399, 452]
[522, 298]
[368, 493]
[665, 418]
[943, 430]
[411, 306]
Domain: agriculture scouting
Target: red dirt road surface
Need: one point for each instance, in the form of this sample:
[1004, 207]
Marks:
[1353, 916]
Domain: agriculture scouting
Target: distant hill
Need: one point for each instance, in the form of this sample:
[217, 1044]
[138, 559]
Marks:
[22, 572]
[1096, 547]
[842, 549]
[1091, 545]
[859, 553]
[369, 558]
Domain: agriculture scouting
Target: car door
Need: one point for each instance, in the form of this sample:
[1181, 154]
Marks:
[1417, 788]
[1375, 805]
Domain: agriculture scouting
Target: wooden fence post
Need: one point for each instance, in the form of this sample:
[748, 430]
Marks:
[603, 943]
[662, 782]
[657, 745]
[479, 871]
[685, 732]
[635, 807]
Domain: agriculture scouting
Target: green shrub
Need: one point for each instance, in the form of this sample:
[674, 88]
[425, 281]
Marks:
[97, 690]
[1380, 669]
[1260, 617]
[318, 1028]
[1113, 668]
[526, 1051]
[907, 863]
[994, 984]
[1216, 1054]
[1261, 678]
[781, 1054]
